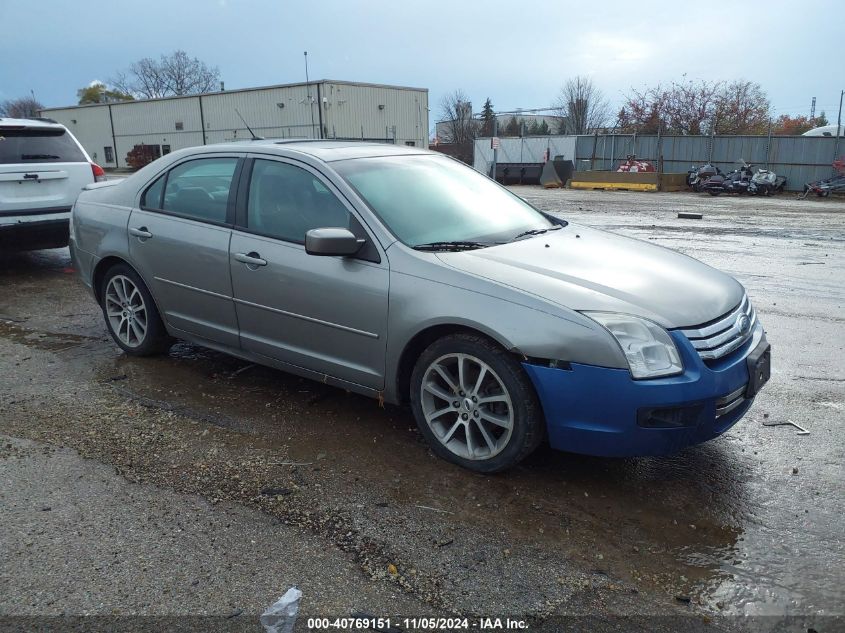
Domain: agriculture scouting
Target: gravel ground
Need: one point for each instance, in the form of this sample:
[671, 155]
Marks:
[274, 480]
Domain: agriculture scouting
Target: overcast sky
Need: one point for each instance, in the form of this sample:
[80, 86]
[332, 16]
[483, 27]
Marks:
[517, 53]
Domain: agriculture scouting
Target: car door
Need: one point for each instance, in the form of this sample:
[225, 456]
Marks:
[325, 314]
[179, 243]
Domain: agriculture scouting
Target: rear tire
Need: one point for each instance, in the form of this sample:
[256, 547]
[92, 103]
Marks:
[130, 313]
[474, 404]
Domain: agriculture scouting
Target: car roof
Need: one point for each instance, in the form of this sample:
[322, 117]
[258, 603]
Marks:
[34, 122]
[324, 150]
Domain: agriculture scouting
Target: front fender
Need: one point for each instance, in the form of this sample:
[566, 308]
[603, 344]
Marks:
[418, 303]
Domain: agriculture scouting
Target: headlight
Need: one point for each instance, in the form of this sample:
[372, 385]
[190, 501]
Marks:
[650, 351]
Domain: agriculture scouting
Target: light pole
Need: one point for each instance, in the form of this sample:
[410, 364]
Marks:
[308, 90]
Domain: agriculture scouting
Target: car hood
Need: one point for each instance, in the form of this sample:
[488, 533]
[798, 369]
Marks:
[587, 269]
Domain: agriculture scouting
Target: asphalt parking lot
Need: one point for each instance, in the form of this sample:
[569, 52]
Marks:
[196, 483]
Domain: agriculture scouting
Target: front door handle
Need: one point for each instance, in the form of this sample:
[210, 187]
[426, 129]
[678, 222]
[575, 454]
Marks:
[143, 233]
[252, 259]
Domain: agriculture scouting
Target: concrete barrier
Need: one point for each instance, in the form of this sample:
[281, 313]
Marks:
[628, 181]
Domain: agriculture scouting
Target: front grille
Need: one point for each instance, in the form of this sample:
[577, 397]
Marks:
[725, 334]
[728, 403]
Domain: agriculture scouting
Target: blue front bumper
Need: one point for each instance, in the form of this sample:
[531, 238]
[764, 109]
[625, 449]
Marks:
[594, 410]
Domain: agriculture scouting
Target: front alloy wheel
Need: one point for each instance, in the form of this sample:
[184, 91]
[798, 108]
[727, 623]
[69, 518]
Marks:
[475, 404]
[467, 406]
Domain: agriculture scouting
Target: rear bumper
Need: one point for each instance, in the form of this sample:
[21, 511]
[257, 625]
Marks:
[34, 235]
[604, 412]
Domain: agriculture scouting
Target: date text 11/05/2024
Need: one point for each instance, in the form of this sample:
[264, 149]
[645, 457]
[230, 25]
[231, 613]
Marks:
[417, 624]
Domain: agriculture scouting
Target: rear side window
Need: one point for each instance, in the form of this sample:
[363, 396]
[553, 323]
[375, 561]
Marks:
[152, 196]
[198, 189]
[30, 145]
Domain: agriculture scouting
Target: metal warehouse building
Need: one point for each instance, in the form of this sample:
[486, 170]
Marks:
[319, 109]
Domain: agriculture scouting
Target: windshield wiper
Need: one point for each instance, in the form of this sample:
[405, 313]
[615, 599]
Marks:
[39, 157]
[534, 232]
[456, 245]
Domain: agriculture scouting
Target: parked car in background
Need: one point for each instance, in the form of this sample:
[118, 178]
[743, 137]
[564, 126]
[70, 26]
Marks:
[404, 275]
[42, 170]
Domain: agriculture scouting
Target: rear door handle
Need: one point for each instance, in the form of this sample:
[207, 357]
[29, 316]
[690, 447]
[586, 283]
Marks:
[143, 233]
[251, 259]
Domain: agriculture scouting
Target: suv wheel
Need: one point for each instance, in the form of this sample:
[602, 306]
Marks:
[130, 313]
[474, 404]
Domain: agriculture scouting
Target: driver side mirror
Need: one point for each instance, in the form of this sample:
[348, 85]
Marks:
[332, 242]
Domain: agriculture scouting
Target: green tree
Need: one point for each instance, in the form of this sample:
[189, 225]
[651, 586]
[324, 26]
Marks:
[821, 120]
[488, 116]
[513, 128]
[533, 129]
[543, 129]
[98, 92]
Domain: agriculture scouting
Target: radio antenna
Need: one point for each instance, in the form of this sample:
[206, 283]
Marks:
[254, 137]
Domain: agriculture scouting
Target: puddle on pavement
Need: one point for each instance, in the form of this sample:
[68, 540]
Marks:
[665, 522]
[48, 341]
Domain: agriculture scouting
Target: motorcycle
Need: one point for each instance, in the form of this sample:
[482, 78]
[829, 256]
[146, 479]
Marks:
[765, 183]
[697, 176]
[736, 181]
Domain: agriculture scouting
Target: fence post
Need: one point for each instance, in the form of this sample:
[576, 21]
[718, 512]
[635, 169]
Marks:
[838, 128]
[612, 149]
[769, 143]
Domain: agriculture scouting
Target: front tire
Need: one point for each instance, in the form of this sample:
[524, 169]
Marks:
[130, 313]
[474, 404]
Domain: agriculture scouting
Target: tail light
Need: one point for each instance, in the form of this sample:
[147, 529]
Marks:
[99, 174]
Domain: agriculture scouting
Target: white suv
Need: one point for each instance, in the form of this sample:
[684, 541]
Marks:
[42, 170]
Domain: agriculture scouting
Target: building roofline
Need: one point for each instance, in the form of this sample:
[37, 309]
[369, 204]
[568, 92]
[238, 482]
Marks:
[222, 92]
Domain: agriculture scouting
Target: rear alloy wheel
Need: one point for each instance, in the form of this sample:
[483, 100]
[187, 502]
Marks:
[131, 315]
[474, 404]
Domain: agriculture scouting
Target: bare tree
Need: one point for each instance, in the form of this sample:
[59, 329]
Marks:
[21, 108]
[174, 74]
[188, 76]
[696, 107]
[456, 114]
[583, 105]
[689, 107]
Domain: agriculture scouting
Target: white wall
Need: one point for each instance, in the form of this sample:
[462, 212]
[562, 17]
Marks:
[348, 111]
[91, 128]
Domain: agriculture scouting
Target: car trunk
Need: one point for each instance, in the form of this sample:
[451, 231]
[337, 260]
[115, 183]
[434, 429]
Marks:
[40, 168]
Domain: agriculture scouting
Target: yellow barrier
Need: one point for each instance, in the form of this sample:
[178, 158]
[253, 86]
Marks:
[623, 186]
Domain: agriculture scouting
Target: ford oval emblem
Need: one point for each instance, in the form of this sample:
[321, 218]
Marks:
[743, 324]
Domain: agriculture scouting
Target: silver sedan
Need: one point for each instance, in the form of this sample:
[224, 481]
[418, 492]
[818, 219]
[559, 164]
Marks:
[403, 275]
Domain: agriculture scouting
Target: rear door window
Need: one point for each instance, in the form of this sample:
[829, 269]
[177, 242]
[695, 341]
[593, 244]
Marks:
[199, 189]
[31, 145]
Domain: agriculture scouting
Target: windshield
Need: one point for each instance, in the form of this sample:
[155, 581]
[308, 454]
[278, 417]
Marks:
[424, 199]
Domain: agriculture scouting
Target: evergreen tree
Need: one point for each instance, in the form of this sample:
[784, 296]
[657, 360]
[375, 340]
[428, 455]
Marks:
[487, 118]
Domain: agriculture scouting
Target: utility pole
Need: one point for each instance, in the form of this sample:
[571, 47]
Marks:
[308, 89]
